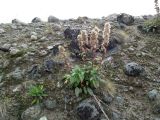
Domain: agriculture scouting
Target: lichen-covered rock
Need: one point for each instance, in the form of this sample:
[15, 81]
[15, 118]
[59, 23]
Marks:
[71, 33]
[152, 95]
[125, 19]
[133, 69]
[50, 104]
[87, 111]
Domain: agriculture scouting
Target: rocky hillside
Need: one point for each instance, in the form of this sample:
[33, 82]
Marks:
[30, 62]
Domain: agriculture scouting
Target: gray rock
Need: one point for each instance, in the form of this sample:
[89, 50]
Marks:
[34, 37]
[107, 98]
[119, 100]
[43, 118]
[14, 51]
[87, 111]
[56, 27]
[50, 65]
[6, 46]
[32, 113]
[152, 95]
[52, 19]
[125, 19]
[133, 69]
[2, 31]
[115, 116]
[50, 104]
[36, 20]
[17, 74]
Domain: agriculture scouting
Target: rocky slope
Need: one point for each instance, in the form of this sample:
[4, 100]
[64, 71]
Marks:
[28, 57]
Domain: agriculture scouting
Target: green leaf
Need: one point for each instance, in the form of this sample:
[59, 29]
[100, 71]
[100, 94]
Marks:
[85, 90]
[77, 91]
[90, 91]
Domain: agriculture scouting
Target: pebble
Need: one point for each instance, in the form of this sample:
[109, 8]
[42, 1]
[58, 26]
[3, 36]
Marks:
[34, 37]
[43, 118]
[6, 46]
[152, 95]
[14, 51]
[43, 53]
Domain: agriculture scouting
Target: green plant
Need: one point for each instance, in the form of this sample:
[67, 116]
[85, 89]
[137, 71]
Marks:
[83, 79]
[37, 92]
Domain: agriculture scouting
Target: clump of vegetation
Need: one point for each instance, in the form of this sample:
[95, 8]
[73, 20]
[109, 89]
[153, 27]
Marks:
[153, 25]
[89, 43]
[37, 92]
[83, 79]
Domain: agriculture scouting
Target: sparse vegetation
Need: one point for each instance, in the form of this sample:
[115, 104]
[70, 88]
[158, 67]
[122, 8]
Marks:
[83, 79]
[37, 92]
[89, 43]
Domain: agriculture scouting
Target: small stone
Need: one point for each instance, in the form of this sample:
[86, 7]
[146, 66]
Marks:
[50, 104]
[52, 19]
[115, 116]
[6, 46]
[33, 37]
[130, 49]
[36, 20]
[32, 113]
[2, 31]
[133, 69]
[34, 33]
[14, 51]
[43, 118]
[56, 27]
[43, 53]
[152, 95]
[43, 39]
[17, 74]
[107, 98]
[18, 88]
[120, 100]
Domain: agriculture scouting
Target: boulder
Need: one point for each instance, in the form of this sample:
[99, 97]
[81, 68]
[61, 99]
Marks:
[125, 19]
[36, 20]
[52, 19]
[87, 111]
[133, 69]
